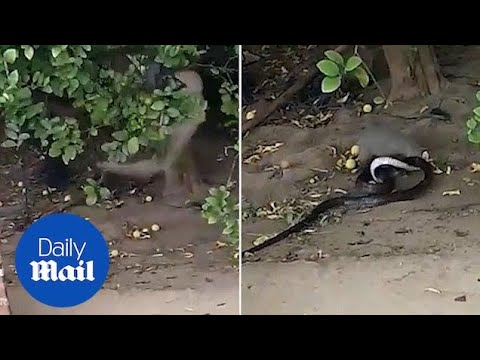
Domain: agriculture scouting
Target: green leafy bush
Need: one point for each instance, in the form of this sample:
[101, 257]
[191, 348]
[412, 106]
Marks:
[220, 207]
[102, 98]
[116, 100]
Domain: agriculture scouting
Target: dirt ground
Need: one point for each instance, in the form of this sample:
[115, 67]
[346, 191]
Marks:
[181, 269]
[416, 257]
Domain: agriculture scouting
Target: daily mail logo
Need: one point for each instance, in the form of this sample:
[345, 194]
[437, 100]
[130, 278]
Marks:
[62, 260]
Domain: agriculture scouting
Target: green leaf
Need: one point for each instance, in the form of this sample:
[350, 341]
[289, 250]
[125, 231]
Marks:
[13, 78]
[46, 123]
[211, 220]
[65, 159]
[125, 149]
[212, 200]
[143, 139]
[36, 77]
[54, 151]
[476, 111]
[70, 152]
[83, 77]
[152, 114]
[45, 80]
[227, 231]
[133, 146]
[11, 134]
[59, 131]
[57, 86]
[328, 68]
[471, 123]
[121, 135]
[91, 182]
[158, 105]
[331, 84]
[10, 55]
[56, 50]
[362, 76]
[13, 127]
[90, 189]
[74, 84]
[28, 52]
[23, 93]
[110, 146]
[105, 193]
[353, 63]
[70, 121]
[335, 57]
[24, 136]
[172, 112]
[9, 144]
[474, 136]
[121, 157]
[91, 199]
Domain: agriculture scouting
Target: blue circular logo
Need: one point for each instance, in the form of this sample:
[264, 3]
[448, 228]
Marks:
[62, 260]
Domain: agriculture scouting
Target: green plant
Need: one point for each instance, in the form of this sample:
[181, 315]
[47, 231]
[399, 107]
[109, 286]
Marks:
[230, 105]
[95, 192]
[473, 123]
[220, 207]
[335, 69]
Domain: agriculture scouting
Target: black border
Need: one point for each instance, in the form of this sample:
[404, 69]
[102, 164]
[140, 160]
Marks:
[225, 336]
[240, 23]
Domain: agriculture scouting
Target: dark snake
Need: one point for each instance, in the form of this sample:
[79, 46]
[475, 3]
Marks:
[366, 194]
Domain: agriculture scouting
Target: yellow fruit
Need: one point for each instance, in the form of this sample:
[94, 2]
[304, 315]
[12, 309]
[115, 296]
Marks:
[350, 164]
[367, 108]
[355, 150]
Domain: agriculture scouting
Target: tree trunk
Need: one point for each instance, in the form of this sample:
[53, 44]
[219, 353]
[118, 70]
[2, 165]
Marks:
[414, 71]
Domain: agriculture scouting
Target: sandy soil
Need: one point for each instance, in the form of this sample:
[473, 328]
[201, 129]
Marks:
[398, 285]
[381, 261]
[181, 269]
[217, 297]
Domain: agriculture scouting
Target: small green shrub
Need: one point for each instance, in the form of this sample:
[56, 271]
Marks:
[336, 68]
[473, 123]
[221, 208]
